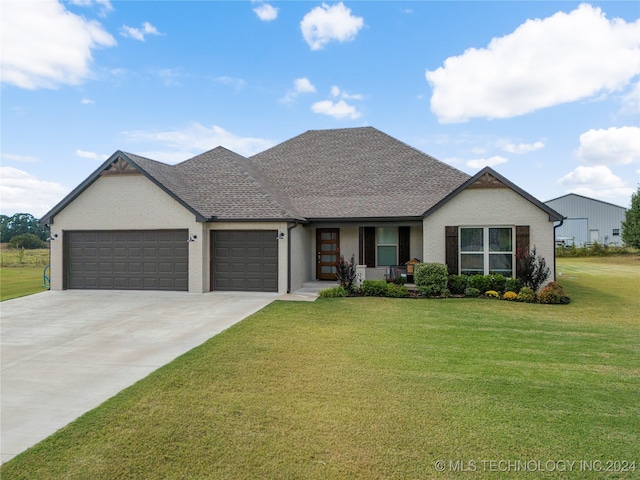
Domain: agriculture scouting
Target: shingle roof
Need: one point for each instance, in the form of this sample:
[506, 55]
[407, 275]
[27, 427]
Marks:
[321, 174]
[356, 172]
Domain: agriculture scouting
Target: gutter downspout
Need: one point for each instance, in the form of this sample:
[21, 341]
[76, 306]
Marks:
[555, 262]
[289, 255]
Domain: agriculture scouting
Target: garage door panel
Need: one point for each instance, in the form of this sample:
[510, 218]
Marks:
[127, 260]
[239, 261]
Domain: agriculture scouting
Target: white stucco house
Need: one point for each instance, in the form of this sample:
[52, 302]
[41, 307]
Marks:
[220, 221]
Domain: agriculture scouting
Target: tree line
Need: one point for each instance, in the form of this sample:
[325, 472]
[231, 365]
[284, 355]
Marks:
[23, 230]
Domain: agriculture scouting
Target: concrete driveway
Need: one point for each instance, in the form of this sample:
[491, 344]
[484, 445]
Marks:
[64, 353]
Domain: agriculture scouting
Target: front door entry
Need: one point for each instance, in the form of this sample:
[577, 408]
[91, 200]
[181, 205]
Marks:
[327, 252]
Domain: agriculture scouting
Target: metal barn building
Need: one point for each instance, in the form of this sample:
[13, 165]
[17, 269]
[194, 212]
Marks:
[587, 221]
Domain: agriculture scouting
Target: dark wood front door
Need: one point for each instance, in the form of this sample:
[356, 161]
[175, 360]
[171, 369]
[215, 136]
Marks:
[327, 252]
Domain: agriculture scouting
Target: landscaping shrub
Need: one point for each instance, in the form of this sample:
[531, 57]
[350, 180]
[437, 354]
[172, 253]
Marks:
[553, 293]
[509, 295]
[397, 291]
[346, 272]
[497, 282]
[333, 292]
[512, 285]
[375, 288]
[526, 295]
[492, 294]
[430, 276]
[595, 250]
[481, 282]
[457, 284]
[28, 241]
[533, 268]
[400, 280]
[471, 292]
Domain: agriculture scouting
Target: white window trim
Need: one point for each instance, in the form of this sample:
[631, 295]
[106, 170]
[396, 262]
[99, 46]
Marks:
[485, 244]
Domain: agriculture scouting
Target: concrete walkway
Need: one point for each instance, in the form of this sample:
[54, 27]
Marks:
[64, 353]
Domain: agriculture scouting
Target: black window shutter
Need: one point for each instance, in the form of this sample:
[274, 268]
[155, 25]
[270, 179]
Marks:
[404, 245]
[522, 243]
[370, 246]
[361, 246]
[451, 249]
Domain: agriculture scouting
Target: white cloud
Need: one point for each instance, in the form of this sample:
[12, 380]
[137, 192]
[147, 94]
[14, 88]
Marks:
[559, 59]
[266, 12]
[326, 23]
[486, 162]
[300, 85]
[195, 139]
[339, 109]
[598, 175]
[105, 5]
[44, 45]
[139, 33]
[87, 101]
[22, 192]
[336, 92]
[521, 148]
[19, 158]
[614, 146]
[91, 155]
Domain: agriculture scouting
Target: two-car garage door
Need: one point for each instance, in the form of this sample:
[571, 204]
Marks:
[127, 260]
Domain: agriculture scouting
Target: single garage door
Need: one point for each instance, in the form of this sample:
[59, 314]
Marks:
[244, 260]
[127, 260]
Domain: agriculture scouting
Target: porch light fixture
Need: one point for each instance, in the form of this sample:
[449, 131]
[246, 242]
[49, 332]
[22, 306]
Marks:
[52, 237]
[192, 238]
[280, 236]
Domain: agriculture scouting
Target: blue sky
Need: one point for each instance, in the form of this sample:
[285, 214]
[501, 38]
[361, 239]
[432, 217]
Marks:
[547, 93]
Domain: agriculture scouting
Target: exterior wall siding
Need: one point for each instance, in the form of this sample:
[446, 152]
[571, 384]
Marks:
[126, 202]
[585, 215]
[302, 256]
[488, 207]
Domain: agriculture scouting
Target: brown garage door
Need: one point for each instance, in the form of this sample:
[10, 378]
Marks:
[127, 260]
[244, 260]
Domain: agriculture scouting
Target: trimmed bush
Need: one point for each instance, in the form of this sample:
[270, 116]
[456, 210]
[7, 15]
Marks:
[509, 295]
[431, 276]
[457, 284]
[553, 293]
[471, 292]
[512, 285]
[374, 288]
[492, 294]
[333, 292]
[397, 291]
[480, 282]
[533, 268]
[497, 282]
[526, 295]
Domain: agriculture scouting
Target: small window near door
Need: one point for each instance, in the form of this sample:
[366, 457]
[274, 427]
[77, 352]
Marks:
[616, 232]
[386, 246]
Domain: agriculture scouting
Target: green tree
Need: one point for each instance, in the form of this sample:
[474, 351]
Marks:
[631, 223]
[19, 224]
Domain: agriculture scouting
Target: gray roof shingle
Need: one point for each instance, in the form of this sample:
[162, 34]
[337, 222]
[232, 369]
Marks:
[356, 172]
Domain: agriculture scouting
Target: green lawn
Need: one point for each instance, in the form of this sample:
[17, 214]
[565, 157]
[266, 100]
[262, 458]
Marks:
[384, 388]
[21, 272]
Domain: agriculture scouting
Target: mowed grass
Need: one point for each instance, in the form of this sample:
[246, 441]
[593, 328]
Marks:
[21, 272]
[383, 388]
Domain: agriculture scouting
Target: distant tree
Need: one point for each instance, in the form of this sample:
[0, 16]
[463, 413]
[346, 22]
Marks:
[19, 224]
[631, 223]
[28, 241]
